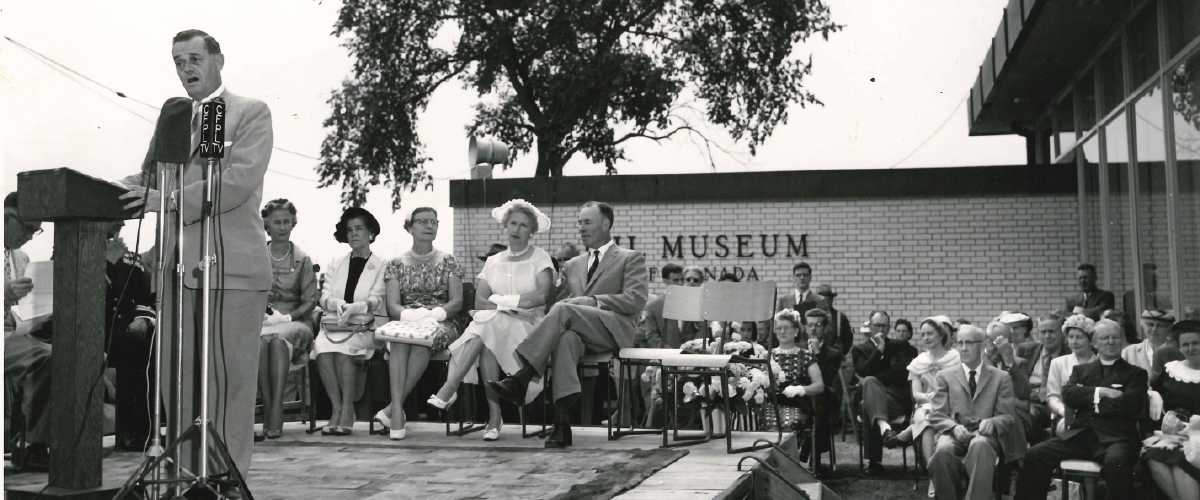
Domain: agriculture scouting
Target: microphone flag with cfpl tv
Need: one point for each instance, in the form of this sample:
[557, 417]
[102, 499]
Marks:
[212, 129]
[173, 132]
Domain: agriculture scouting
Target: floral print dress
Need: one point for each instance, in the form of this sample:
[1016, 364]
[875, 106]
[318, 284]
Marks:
[795, 412]
[427, 285]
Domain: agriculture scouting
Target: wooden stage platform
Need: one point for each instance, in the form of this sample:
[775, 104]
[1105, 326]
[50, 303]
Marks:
[300, 466]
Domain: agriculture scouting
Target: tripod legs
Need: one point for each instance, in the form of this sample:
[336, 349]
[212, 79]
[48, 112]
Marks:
[215, 486]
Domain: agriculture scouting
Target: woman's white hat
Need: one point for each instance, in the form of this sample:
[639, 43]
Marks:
[543, 222]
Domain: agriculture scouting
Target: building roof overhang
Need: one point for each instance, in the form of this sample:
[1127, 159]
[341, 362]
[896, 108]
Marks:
[1038, 48]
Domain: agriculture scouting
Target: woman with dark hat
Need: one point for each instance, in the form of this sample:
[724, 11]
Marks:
[353, 290]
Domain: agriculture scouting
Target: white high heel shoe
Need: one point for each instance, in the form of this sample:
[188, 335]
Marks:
[383, 419]
[396, 434]
[437, 402]
[492, 434]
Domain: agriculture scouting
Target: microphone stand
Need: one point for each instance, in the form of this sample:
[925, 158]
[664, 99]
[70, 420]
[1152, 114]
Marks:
[204, 484]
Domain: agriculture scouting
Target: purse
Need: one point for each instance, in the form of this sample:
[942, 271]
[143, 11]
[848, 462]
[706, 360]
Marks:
[358, 324]
[419, 332]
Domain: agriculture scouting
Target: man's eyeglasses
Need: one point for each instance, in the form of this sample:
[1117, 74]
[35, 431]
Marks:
[427, 222]
[30, 229]
[966, 343]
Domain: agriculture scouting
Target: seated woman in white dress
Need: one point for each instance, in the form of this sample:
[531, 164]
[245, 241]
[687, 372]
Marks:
[936, 337]
[510, 297]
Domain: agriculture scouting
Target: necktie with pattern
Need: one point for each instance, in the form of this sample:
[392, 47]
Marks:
[594, 262]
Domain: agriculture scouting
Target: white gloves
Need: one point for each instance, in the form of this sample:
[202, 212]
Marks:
[353, 308]
[420, 313]
[792, 391]
[275, 318]
[1156, 405]
[505, 302]
[414, 314]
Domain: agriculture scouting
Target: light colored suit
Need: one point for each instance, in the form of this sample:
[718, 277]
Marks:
[1139, 355]
[994, 400]
[568, 330]
[241, 280]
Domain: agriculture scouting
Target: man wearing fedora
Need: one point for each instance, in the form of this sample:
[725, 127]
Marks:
[838, 321]
[882, 364]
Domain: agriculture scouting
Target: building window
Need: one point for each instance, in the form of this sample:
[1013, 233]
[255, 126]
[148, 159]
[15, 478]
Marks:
[1087, 102]
[1064, 125]
[1120, 240]
[1152, 201]
[1143, 45]
[1183, 23]
[1186, 118]
[1088, 156]
[1113, 78]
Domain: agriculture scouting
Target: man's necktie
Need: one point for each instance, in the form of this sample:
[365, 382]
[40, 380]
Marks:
[972, 384]
[1044, 391]
[594, 263]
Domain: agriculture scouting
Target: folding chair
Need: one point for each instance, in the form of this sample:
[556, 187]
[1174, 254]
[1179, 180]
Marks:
[716, 301]
[628, 360]
[861, 429]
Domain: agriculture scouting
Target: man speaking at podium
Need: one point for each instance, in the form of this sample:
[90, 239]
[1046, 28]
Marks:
[241, 277]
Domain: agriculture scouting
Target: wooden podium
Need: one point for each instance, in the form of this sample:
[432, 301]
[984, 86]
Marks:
[80, 207]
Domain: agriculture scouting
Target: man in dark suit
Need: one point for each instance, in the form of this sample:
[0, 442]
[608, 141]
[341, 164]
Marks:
[241, 276]
[1091, 301]
[973, 417]
[602, 293]
[1038, 355]
[801, 299]
[823, 346]
[882, 364]
[839, 323]
[1106, 397]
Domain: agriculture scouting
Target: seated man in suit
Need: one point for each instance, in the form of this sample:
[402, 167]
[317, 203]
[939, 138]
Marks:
[1091, 301]
[1000, 351]
[1106, 398]
[26, 355]
[1158, 346]
[973, 416]
[882, 365]
[666, 333]
[603, 291]
[822, 345]
[1038, 356]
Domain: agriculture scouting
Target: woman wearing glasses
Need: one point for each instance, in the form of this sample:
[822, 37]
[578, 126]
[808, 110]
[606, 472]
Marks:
[422, 284]
[1079, 330]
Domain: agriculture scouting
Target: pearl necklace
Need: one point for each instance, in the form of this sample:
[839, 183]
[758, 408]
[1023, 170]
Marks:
[425, 256]
[285, 254]
[513, 255]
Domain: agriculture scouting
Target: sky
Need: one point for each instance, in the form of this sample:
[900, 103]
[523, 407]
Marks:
[896, 74]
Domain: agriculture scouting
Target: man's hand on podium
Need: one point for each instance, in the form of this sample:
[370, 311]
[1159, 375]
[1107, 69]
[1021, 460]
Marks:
[139, 196]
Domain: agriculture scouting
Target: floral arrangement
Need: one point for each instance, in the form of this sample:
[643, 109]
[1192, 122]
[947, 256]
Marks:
[747, 384]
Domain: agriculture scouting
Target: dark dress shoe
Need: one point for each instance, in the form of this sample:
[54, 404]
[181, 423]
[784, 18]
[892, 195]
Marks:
[560, 436]
[874, 469]
[510, 389]
[890, 440]
[37, 458]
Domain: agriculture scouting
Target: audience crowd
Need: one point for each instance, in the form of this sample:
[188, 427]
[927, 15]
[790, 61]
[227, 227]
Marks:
[1018, 395]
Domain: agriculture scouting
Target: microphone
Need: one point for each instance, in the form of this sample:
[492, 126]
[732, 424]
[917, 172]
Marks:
[172, 132]
[212, 129]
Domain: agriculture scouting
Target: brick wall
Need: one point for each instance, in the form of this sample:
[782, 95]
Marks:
[961, 256]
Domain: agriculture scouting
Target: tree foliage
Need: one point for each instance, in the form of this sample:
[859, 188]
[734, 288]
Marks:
[564, 76]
